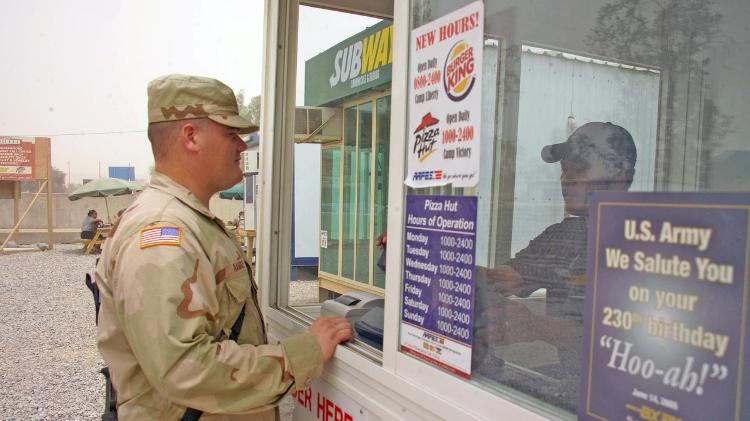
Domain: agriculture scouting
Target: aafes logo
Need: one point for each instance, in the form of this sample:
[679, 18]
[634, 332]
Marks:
[458, 74]
[427, 175]
[426, 136]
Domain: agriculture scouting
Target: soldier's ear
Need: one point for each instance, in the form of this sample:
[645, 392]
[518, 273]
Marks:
[188, 137]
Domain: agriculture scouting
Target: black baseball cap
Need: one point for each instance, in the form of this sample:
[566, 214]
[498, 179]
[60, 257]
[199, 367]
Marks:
[595, 141]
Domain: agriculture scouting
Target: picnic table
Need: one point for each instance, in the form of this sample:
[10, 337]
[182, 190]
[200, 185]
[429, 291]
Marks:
[99, 237]
[250, 235]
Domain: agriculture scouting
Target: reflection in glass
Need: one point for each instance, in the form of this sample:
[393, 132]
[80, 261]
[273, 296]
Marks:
[349, 193]
[329, 209]
[672, 73]
[364, 179]
[382, 139]
[548, 326]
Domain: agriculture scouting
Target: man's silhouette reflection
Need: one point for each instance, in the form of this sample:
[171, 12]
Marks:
[548, 340]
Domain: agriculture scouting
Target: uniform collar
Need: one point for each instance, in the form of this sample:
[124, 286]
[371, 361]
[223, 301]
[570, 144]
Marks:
[163, 183]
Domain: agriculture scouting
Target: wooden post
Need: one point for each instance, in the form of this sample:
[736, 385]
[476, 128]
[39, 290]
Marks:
[38, 150]
[50, 204]
[16, 205]
[18, 223]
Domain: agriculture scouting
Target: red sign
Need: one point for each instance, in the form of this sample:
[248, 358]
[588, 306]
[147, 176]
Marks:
[17, 158]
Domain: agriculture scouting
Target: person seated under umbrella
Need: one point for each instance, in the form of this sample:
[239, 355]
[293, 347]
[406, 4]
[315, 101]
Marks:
[90, 224]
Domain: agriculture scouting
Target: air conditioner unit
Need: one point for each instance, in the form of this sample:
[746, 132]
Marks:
[317, 125]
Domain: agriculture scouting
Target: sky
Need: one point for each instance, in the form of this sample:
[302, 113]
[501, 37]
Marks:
[76, 71]
[82, 66]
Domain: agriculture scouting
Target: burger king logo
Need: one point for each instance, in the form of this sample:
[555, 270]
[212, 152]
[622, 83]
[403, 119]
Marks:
[458, 74]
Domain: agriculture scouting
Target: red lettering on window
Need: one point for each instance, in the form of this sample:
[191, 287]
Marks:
[329, 409]
[321, 406]
[308, 399]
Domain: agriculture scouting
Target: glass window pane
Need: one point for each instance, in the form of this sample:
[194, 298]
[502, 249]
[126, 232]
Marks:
[331, 228]
[364, 205]
[349, 193]
[666, 80]
[330, 210]
[382, 139]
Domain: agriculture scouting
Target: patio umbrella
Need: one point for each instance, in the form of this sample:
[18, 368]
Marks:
[235, 192]
[105, 187]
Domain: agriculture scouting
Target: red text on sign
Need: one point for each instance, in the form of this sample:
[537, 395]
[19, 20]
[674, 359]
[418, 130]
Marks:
[425, 40]
[329, 411]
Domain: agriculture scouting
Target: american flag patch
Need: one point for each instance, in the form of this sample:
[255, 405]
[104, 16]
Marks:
[160, 236]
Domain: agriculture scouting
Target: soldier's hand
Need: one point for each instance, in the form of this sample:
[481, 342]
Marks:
[331, 331]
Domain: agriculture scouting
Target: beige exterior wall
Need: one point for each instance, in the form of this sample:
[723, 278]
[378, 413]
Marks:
[224, 209]
[68, 216]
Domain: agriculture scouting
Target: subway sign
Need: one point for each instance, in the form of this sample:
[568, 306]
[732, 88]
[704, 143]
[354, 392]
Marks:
[359, 63]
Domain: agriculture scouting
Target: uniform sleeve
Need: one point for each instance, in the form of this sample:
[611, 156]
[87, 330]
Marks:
[166, 299]
[537, 262]
[548, 260]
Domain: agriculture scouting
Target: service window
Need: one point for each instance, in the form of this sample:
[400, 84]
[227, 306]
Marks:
[338, 158]
[580, 96]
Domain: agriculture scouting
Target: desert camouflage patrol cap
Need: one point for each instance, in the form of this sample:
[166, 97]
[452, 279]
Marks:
[180, 97]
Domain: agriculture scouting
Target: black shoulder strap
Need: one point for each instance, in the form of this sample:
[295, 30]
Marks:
[191, 415]
[194, 414]
[237, 326]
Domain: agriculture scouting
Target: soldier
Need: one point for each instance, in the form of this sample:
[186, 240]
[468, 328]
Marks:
[180, 326]
[597, 156]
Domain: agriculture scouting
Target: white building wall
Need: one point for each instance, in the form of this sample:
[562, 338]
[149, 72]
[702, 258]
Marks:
[306, 201]
[555, 86]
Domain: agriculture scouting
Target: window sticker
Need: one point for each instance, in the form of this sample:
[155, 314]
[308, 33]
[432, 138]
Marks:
[437, 308]
[665, 322]
[445, 79]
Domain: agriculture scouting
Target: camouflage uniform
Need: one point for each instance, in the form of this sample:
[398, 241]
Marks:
[168, 305]
[172, 284]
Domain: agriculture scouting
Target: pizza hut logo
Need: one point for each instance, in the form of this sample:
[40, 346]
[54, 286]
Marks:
[426, 136]
[458, 74]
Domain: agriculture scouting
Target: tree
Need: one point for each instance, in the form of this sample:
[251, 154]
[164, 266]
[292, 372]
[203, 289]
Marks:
[253, 113]
[249, 110]
[58, 182]
[676, 36]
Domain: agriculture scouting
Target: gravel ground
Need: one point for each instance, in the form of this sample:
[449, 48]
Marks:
[49, 369]
[303, 293]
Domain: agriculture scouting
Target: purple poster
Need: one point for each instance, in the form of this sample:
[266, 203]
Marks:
[665, 326]
[438, 296]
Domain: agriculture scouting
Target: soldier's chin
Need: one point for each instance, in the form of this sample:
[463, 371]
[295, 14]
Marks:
[236, 177]
[577, 210]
